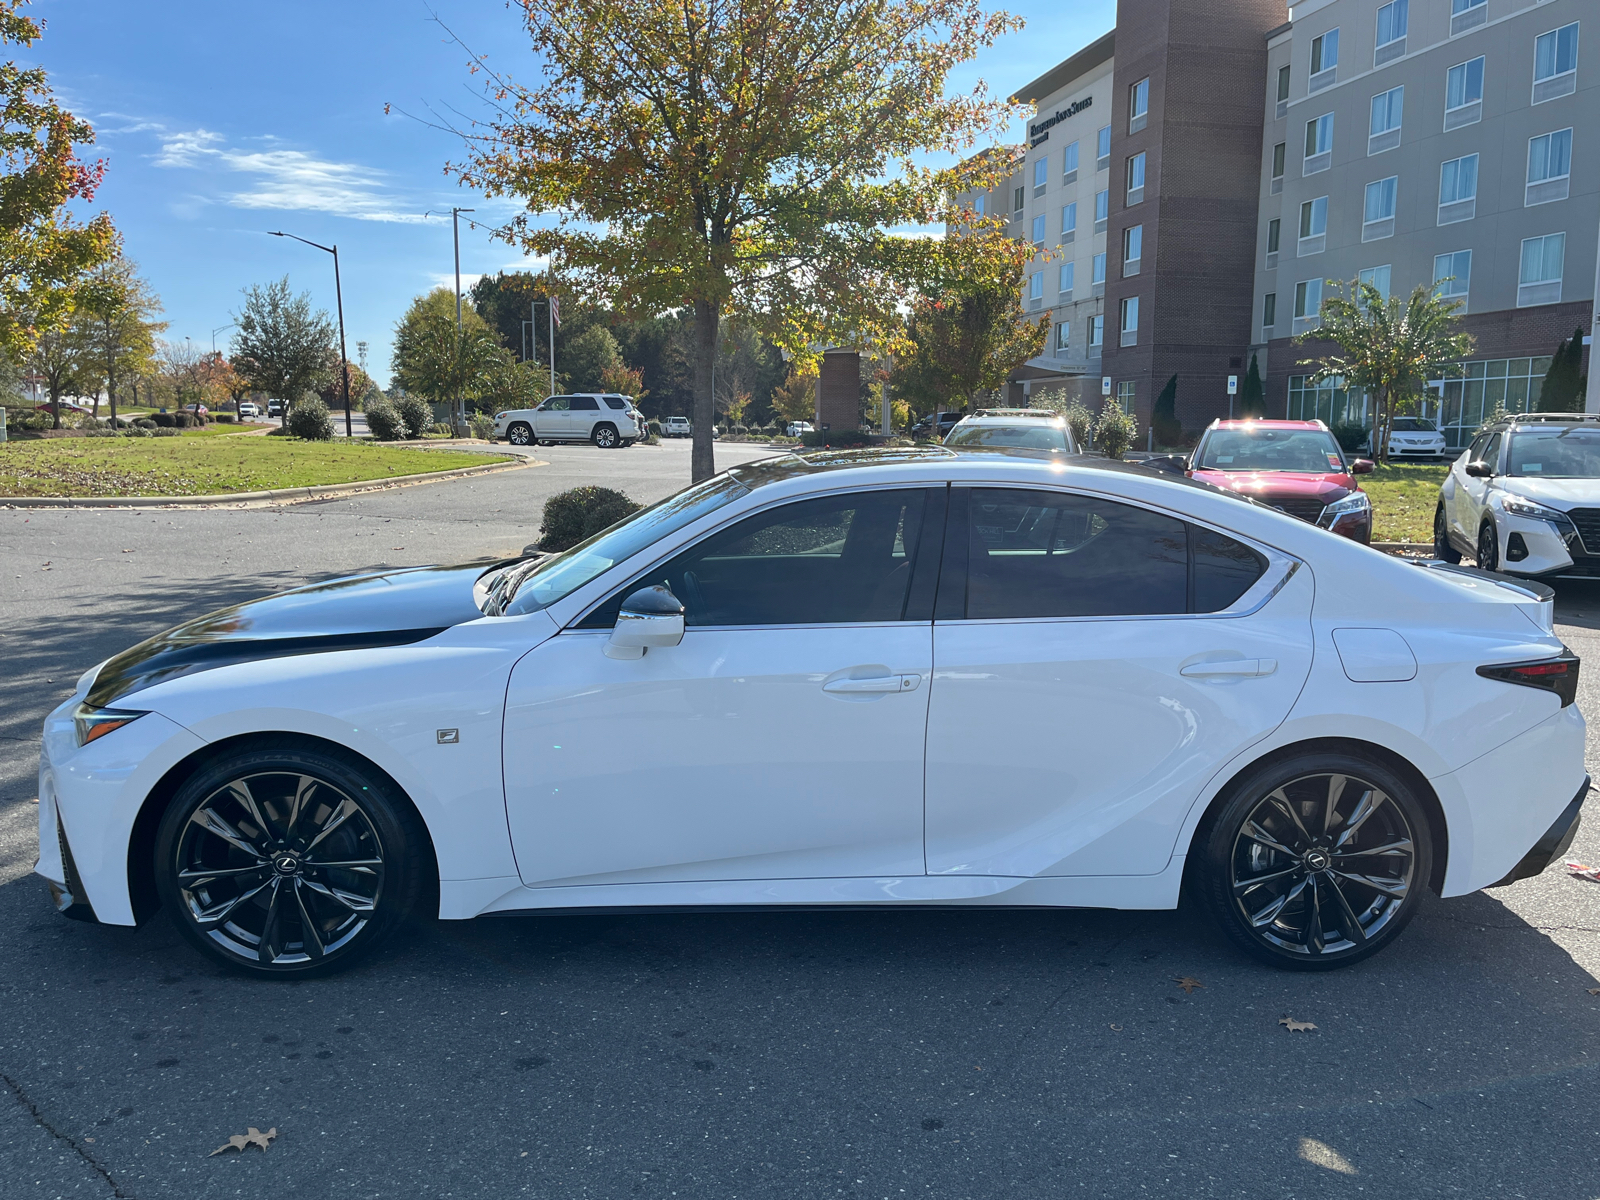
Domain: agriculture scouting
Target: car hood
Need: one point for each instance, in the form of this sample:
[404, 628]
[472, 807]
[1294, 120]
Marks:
[1267, 486]
[1562, 493]
[390, 608]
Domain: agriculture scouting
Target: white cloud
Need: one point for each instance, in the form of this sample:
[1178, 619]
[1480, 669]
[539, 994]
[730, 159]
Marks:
[447, 279]
[289, 179]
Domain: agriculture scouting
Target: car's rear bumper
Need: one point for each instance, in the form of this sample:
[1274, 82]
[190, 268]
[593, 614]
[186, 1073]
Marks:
[1555, 842]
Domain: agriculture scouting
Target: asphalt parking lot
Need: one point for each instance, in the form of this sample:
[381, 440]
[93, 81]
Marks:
[935, 1054]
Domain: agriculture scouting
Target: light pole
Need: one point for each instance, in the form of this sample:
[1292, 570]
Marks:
[216, 331]
[338, 294]
[461, 409]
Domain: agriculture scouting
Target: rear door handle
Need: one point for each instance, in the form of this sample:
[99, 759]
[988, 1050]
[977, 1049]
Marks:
[878, 683]
[1231, 668]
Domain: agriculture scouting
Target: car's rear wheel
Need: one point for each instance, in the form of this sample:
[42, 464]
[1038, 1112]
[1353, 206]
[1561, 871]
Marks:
[1315, 862]
[1442, 549]
[1488, 547]
[520, 434]
[288, 861]
[605, 436]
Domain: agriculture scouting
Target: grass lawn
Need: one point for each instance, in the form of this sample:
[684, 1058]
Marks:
[204, 466]
[1403, 499]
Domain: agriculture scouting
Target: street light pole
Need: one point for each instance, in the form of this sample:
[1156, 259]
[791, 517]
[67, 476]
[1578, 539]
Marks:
[338, 294]
[461, 403]
[218, 330]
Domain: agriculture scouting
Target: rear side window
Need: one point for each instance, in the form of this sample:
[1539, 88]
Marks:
[1046, 554]
[585, 404]
[616, 402]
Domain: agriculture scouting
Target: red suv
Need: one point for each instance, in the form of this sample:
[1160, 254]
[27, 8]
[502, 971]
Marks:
[1294, 466]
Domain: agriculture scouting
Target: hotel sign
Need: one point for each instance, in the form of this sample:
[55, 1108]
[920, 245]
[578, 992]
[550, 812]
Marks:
[1040, 131]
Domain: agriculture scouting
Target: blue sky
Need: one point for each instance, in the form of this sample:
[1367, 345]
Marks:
[222, 121]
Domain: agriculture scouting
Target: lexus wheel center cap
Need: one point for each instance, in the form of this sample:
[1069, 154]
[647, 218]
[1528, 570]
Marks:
[1318, 860]
[286, 864]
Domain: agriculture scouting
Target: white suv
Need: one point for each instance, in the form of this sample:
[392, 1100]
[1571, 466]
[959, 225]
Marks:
[606, 419]
[1525, 497]
[677, 427]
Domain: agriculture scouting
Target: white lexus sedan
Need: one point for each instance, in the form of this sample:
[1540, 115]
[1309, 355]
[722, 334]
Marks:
[892, 677]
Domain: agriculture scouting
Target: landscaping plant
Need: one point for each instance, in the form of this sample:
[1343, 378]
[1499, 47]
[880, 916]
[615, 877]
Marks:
[572, 516]
[310, 420]
[1115, 431]
[385, 421]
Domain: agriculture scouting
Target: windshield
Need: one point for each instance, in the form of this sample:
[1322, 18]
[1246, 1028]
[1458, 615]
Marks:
[1033, 436]
[1555, 453]
[529, 586]
[1308, 450]
[1413, 425]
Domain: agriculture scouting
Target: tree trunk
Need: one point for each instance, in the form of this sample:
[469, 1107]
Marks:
[55, 406]
[702, 460]
[1381, 428]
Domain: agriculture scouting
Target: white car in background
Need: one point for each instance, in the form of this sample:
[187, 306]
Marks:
[796, 428]
[1414, 438]
[677, 427]
[249, 408]
[1524, 498]
[881, 678]
[608, 420]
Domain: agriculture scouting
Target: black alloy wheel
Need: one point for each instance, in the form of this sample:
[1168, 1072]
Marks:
[605, 436]
[1488, 546]
[1316, 862]
[288, 862]
[1442, 549]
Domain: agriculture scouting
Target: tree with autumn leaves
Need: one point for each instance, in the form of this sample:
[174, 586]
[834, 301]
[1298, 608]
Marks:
[736, 158]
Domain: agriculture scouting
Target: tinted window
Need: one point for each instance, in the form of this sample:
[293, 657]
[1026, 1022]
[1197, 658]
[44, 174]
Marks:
[1491, 452]
[1475, 451]
[832, 560]
[1554, 452]
[585, 404]
[616, 402]
[556, 404]
[1044, 554]
[1223, 569]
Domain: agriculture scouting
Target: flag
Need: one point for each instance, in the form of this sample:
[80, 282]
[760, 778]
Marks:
[555, 310]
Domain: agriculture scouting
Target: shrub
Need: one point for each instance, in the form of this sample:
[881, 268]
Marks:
[225, 418]
[572, 516]
[1350, 435]
[417, 414]
[482, 426]
[139, 431]
[1080, 421]
[655, 429]
[144, 423]
[836, 438]
[442, 429]
[386, 424]
[311, 420]
[26, 420]
[1115, 430]
[164, 433]
[181, 420]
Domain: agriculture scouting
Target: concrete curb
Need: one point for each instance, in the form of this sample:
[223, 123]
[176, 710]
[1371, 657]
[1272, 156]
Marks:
[277, 495]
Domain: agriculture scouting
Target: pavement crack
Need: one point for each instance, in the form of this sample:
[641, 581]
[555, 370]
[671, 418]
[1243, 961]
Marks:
[72, 1142]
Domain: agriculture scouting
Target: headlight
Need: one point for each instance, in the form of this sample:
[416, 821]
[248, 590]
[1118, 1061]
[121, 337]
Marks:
[1518, 507]
[1355, 502]
[95, 722]
[500, 416]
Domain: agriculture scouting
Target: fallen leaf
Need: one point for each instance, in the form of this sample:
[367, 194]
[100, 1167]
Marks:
[1118, 1028]
[240, 1141]
[1187, 983]
[1592, 991]
[1294, 1026]
[127, 551]
[1584, 871]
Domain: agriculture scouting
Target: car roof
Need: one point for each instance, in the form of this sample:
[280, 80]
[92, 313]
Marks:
[1007, 416]
[1542, 418]
[1254, 423]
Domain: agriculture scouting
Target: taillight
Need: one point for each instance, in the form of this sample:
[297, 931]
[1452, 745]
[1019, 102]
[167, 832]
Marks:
[1558, 675]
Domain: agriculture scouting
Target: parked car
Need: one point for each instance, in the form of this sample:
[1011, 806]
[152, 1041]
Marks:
[936, 425]
[274, 408]
[1023, 428]
[677, 427]
[199, 409]
[1290, 725]
[1296, 467]
[796, 428]
[65, 407]
[608, 420]
[1414, 438]
[1524, 498]
[249, 408]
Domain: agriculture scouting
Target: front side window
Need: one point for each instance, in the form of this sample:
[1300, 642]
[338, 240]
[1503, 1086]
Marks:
[1458, 180]
[1555, 53]
[1038, 230]
[1314, 217]
[1386, 111]
[1452, 273]
[1380, 198]
[1069, 159]
[557, 404]
[1392, 20]
[1319, 135]
[1097, 268]
[1325, 52]
[1378, 277]
[1069, 217]
[1550, 156]
[1555, 453]
[1041, 172]
[1307, 298]
[1463, 84]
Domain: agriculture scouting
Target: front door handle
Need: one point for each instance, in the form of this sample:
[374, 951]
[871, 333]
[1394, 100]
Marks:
[877, 683]
[1231, 668]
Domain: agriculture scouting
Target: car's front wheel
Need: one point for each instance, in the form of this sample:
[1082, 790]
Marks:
[520, 434]
[1442, 549]
[1316, 861]
[287, 861]
[1488, 547]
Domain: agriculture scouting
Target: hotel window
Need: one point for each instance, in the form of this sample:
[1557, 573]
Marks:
[1279, 153]
[1069, 163]
[1307, 304]
[1036, 288]
[1452, 275]
[1319, 144]
[1378, 277]
[1463, 94]
[1132, 249]
[1377, 213]
[1539, 281]
[1467, 14]
[1458, 189]
[1269, 310]
[1555, 63]
[1391, 32]
[1136, 178]
[1017, 202]
[1138, 105]
[1069, 221]
[978, 205]
[1324, 61]
[1283, 93]
[1103, 150]
[1063, 337]
[1274, 230]
[1068, 273]
[1383, 131]
[1313, 227]
[1102, 209]
[1097, 331]
[1038, 230]
[1126, 390]
[1130, 321]
[1097, 273]
[1041, 174]
[1549, 167]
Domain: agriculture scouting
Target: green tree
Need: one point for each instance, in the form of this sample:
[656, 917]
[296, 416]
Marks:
[60, 360]
[1164, 416]
[1564, 383]
[967, 340]
[732, 159]
[1253, 396]
[116, 322]
[1388, 348]
[436, 361]
[585, 359]
[44, 249]
[282, 347]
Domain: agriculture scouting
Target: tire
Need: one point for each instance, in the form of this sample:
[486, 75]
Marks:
[276, 907]
[521, 434]
[1442, 549]
[1488, 546]
[1272, 879]
[605, 436]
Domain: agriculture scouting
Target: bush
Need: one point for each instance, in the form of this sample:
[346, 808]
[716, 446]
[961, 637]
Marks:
[655, 429]
[1080, 421]
[310, 420]
[1350, 435]
[26, 420]
[385, 423]
[482, 426]
[838, 439]
[144, 423]
[1115, 430]
[572, 516]
[416, 413]
[164, 433]
[224, 418]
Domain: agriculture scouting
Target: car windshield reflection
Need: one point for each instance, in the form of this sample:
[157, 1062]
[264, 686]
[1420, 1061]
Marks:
[1555, 454]
[1310, 451]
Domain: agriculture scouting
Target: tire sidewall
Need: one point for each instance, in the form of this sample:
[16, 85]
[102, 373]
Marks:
[1442, 549]
[605, 437]
[1214, 846]
[521, 429]
[1493, 563]
[392, 818]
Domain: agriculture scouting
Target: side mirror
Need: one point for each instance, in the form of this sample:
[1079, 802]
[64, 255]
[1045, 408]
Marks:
[1361, 466]
[1479, 469]
[652, 616]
